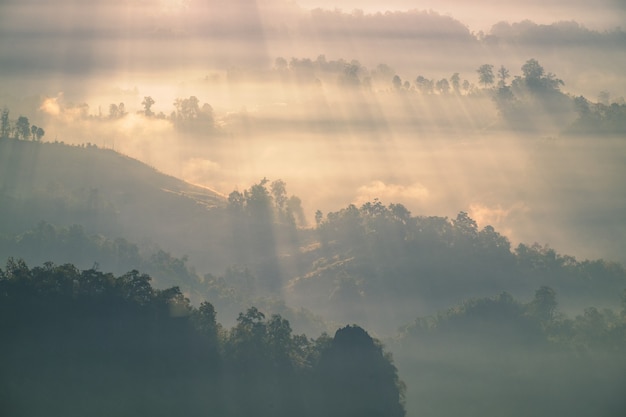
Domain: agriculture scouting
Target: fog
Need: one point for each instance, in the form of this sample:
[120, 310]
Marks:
[336, 144]
[389, 109]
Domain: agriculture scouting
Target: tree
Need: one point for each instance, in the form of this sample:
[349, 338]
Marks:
[236, 202]
[206, 113]
[5, 126]
[136, 287]
[319, 216]
[294, 208]
[455, 81]
[22, 128]
[544, 304]
[117, 111]
[279, 194]
[535, 80]
[40, 132]
[187, 108]
[147, 105]
[206, 322]
[485, 74]
[532, 70]
[37, 133]
[443, 86]
[466, 86]
[280, 64]
[358, 378]
[114, 111]
[465, 225]
[259, 202]
[503, 75]
[424, 85]
[397, 82]
[350, 76]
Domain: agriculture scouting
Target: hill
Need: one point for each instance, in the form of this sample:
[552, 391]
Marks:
[375, 264]
[104, 192]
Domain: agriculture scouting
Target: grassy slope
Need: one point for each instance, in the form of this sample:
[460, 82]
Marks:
[105, 192]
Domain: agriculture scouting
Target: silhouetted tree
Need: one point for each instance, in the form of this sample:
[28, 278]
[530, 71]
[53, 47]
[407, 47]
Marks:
[359, 380]
[455, 82]
[467, 86]
[544, 304]
[443, 86]
[280, 64]
[114, 111]
[503, 75]
[319, 216]
[22, 128]
[259, 202]
[532, 71]
[485, 74]
[187, 108]
[533, 78]
[236, 202]
[294, 208]
[279, 194]
[40, 133]
[5, 126]
[350, 75]
[424, 85]
[147, 104]
[397, 82]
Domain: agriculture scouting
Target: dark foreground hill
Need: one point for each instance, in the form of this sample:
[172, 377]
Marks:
[79, 343]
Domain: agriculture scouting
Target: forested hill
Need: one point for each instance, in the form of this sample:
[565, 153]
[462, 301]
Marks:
[88, 343]
[87, 178]
[104, 192]
[378, 264]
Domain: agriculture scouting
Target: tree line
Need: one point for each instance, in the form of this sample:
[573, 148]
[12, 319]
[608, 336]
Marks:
[374, 256]
[502, 322]
[499, 355]
[517, 100]
[19, 129]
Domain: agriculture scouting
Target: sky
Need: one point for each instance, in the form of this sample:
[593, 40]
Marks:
[64, 62]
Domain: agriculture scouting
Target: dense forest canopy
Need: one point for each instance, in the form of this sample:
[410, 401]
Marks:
[89, 342]
[92, 342]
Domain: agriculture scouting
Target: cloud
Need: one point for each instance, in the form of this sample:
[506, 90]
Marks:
[58, 111]
[51, 106]
[413, 195]
[496, 215]
[200, 171]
